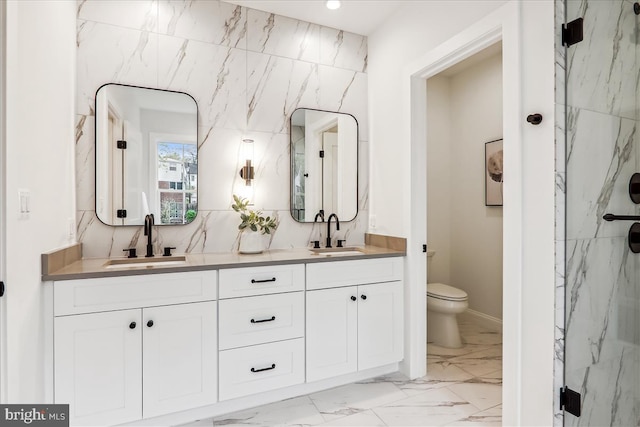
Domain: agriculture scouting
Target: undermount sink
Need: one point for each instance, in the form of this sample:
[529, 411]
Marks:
[337, 251]
[164, 261]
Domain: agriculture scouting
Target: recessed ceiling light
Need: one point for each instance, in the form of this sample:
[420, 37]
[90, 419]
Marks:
[333, 4]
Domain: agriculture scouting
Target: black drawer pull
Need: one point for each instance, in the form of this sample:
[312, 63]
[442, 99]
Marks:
[150, 323]
[353, 298]
[363, 296]
[132, 325]
[263, 320]
[273, 366]
[273, 279]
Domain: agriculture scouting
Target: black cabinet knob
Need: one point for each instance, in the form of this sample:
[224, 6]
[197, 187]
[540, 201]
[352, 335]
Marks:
[353, 298]
[150, 323]
[363, 296]
[132, 325]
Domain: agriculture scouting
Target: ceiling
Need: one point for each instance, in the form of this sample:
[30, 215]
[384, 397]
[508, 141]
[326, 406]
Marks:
[355, 16]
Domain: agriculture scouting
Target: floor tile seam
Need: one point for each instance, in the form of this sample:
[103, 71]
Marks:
[469, 403]
[457, 361]
[322, 413]
[433, 425]
[453, 356]
[470, 373]
[422, 391]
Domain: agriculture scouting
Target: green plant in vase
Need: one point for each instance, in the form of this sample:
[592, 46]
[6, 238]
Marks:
[252, 221]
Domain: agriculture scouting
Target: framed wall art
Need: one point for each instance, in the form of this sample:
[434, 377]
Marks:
[493, 176]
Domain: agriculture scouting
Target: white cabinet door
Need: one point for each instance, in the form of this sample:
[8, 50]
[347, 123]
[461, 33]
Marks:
[97, 367]
[180, 357]
[332, 338]
[380, 324]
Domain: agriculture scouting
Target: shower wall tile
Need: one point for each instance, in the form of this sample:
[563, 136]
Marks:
[601, 159]
[220, 23]
[341, 49]
[110, 54]
[214, 75]
[597, 271]
[140, 14]
[561, 149]
[560, 202]
[610, 389]
[276, 86]
[281, 36]
[248, 71]
[601, 71]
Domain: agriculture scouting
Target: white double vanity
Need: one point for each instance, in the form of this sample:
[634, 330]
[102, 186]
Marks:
[222, 333]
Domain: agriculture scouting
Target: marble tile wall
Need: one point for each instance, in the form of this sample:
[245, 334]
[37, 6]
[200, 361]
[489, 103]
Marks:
[248, 71]
[601, 351]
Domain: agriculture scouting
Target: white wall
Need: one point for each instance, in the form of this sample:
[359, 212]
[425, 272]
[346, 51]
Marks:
[411, 32]
[39, 157]
[422, 35]
[467, 112]
[476, 230]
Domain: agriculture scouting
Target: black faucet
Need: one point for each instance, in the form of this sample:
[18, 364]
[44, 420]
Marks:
[320, 214]
[329, 228]
[148, 231]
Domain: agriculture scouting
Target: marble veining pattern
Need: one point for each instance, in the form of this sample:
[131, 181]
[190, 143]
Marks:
[248, 70]
[449, 395]
[609, 39]
[597, 345]
[219, 23]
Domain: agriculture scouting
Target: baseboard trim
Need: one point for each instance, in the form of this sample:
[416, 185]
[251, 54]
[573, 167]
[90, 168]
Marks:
[482, 319]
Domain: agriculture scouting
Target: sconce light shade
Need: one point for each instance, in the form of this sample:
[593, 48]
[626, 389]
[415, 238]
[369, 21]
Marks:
[247, 170]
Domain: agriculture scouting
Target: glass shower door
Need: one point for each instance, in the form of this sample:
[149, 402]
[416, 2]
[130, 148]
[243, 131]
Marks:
[602, 294]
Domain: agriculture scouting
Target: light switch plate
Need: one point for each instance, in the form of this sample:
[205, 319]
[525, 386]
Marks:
[24, 203]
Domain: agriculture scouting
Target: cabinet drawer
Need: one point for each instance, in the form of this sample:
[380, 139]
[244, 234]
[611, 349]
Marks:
[117, 293]
[260, 368]
[242, 282]
[355, 272]
[262, 319]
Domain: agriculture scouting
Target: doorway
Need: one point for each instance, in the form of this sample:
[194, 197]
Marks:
[464, 221]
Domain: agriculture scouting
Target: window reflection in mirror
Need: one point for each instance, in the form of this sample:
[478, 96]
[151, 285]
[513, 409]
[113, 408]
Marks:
[324, 165]
[146, 155]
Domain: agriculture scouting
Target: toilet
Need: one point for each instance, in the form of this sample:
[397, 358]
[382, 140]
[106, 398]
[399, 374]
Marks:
[443, 303]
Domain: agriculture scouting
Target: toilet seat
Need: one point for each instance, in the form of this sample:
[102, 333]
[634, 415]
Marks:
[445, 292]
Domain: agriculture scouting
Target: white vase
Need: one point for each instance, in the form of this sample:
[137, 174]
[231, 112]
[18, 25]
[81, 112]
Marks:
[251, 242]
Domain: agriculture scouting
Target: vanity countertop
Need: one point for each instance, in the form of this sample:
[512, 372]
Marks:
[96, 267]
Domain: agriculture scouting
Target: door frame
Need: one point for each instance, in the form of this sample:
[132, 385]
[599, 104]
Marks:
[3, 151]
[502, 25]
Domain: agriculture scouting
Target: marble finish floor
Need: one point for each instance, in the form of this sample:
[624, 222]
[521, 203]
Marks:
[463, 387]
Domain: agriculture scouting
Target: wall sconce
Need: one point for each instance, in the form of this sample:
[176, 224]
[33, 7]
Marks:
[247, 170]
